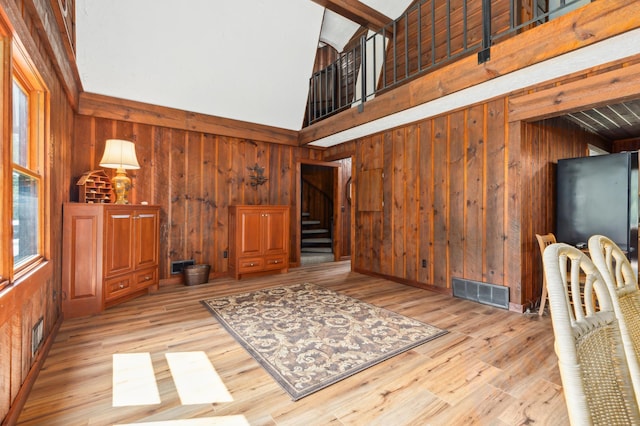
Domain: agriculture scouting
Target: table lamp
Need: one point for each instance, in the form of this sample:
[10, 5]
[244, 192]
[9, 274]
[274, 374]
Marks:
[120, 155]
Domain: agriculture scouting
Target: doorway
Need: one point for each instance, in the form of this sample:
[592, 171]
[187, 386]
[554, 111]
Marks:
[325, 211]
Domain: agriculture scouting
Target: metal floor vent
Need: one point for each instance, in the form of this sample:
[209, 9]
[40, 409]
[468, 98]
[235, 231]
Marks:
[178, 266]
[36, 336]
[487, 294]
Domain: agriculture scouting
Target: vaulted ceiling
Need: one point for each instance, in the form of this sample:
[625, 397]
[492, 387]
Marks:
[247, 60]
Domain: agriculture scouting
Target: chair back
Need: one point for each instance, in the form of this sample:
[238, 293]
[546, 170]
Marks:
[544, 241]
[591, 359]
[612, 262]
[622, 282]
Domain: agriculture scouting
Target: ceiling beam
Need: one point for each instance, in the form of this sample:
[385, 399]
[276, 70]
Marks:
[357, 12]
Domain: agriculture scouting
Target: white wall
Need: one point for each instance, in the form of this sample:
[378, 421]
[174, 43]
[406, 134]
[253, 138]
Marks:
[248, 60]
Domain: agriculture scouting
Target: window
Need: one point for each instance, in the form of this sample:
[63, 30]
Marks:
[27, 180]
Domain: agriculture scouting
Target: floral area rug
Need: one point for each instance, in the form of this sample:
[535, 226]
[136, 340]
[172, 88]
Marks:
[308, 337]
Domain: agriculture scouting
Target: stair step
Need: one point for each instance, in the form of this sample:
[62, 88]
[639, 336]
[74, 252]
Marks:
[311, 258]
[315, 231]
[310, 222]
[316, 240]
[316, 250]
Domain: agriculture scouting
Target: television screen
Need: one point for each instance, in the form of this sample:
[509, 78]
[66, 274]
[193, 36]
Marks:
[593, 198]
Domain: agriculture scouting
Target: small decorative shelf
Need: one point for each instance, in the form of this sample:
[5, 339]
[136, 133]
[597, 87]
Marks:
[95, 187]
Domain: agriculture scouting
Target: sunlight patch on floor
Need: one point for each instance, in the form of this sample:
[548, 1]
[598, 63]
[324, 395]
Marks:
[196, 380]
[204, 421]
[134, 382]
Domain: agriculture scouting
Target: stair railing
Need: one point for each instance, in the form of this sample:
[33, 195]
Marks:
[429, 35]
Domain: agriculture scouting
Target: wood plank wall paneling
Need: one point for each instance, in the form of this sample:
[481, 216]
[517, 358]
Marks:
[494, 187]
[421, 215]
[475, 193]
[338, 152]
[194, 177]
[626, 145]
[95, 105]
[444, 200]
[461, 195]
[38, 295]
[540, 153]
[440, 188]
[425, 202]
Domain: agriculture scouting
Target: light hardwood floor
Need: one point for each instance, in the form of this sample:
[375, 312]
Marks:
[493, 368]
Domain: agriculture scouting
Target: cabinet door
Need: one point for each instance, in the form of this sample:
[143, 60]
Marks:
[276, 231]
[82, 260]
[146, 238]
[249, 232]
[119, 238]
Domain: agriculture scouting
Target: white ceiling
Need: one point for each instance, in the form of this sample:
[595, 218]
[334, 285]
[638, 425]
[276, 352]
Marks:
[248, 60]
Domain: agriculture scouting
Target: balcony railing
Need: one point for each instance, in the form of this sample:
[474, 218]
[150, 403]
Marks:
[430, 34]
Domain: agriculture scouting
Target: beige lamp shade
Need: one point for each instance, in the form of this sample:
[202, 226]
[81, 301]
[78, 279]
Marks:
[119, 154]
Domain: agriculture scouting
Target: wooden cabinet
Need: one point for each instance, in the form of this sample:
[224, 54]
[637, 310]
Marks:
[258, 240]
[110, 254]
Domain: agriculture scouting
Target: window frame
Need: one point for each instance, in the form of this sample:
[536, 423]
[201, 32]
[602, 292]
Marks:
[32, 87]
[17, 66]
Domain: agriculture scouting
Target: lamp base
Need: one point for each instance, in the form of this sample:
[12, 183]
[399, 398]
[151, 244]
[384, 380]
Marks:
[121, 185]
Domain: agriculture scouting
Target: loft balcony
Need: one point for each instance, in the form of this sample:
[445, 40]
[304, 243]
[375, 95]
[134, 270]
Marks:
[429, 35]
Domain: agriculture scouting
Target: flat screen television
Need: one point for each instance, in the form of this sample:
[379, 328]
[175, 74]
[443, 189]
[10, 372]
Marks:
[598, 195]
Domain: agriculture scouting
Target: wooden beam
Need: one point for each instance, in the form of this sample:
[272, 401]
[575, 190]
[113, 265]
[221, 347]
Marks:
[611, 87]
[357, 12]
[94, 105]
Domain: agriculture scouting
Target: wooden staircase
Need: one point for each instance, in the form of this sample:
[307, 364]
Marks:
[316, 242]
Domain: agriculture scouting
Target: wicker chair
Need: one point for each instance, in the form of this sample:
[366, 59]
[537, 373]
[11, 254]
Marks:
[543, 242]
[591, 358]
[623, 287]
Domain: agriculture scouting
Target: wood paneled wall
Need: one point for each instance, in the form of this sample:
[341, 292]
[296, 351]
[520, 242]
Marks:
[38, 294]
[626, 145]
[543, 143]
[464, 198]
[194, 177]
[444, 200]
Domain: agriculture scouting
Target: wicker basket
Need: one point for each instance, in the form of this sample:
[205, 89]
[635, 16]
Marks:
[196, 274]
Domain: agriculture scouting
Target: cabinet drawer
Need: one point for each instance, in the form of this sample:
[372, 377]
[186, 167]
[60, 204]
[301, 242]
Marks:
[145, 278]
[116, 287]
[250, 264]
[275, 262]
